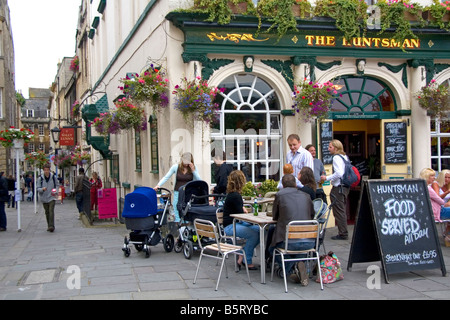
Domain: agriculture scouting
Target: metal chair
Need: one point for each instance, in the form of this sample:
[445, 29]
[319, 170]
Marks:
[205, 228]
[300, 229]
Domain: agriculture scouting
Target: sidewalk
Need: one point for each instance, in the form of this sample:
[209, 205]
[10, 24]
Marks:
[36, 264]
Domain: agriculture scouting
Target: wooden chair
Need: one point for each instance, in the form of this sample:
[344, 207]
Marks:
[220, 251]
[304, 229]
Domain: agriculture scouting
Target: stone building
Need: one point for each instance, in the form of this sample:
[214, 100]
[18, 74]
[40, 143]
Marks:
[377, 81]
[9, 108]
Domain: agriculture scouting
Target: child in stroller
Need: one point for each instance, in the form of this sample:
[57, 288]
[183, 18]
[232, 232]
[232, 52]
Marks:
[193, 202]
[144, 216]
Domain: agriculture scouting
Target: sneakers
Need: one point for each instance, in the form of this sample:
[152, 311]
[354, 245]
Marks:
[339, 237]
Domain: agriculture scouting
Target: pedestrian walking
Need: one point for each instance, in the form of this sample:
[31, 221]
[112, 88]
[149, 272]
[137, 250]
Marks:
[11, 191]
[47, 188]
[78, 189]
[4, 197]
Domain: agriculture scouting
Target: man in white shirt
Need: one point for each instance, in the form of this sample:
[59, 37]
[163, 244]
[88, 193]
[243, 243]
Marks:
[299, 157]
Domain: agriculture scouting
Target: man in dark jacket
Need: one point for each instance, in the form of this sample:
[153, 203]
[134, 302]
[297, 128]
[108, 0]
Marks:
[290, 204]
[222, 171]
[4, 197]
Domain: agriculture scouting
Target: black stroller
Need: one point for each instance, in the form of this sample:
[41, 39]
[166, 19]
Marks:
[193, 202]
[145, 213]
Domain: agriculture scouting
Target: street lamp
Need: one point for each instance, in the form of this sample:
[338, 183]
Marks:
[55, 134]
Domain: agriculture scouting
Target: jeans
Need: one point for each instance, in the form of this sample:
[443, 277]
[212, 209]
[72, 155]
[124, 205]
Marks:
[2, 215]
[79, 201]
[293, 245]
[49, 209]
[247, 231]
[445, 213]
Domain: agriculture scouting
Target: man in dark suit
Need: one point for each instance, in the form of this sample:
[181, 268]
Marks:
[291, 204]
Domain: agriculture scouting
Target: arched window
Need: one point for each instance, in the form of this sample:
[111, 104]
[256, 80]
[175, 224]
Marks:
[364, 96]
[249, 130]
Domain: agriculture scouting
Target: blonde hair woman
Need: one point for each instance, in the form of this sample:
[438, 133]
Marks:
[184, 172]
[441, 209]
[338, 191]
[235, 204]
[442, 185]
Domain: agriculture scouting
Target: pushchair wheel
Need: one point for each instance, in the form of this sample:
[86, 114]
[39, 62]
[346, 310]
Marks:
[139, 247]
[178, 246]
[126, 252]
[147, 251]
[168, 243]
[188, 249]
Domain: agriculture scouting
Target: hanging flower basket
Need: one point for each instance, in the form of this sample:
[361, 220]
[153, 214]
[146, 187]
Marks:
[9, 135]
[38, 159]
[313, 100]
[126, 116]
[75, 64]
[195, 100]
[150, 86]
[75, 109]
[435, 99]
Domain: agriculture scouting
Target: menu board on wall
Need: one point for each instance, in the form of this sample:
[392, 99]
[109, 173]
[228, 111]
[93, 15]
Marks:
[395, 225]
[326, 135]
[395, 142]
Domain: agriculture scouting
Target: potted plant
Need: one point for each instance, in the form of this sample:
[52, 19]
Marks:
[221, 11]
[394, 13]
[149, 86]
[435, 99]
[350, 15]
[195, 100]
[312, 100]
[439, 13]
[75, 109]
[15, 137]
[75, 64]
[104, 124]
[280, 14]
[248, 191]
[129, 116]
[266, 186]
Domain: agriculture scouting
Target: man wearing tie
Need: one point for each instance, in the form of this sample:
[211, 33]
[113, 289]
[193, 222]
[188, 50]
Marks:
[299, 157]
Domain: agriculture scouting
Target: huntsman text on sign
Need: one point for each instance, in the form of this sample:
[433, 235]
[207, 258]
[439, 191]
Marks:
[361, 42]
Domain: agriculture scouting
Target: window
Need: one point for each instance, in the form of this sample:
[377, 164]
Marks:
[363, 95]
[30, 113]
[154, 143]
[41, 130]
[114, 168]
[249, 130]
[440, 142]
[30, 147]
[137, 142]
[41, 147]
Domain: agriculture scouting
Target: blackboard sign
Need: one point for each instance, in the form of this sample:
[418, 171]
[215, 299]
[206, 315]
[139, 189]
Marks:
[395, 225]
[326, 135]
[395, 142]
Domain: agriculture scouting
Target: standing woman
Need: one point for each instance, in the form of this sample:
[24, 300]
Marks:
[96, 184]
[338, 190]
[184, 172]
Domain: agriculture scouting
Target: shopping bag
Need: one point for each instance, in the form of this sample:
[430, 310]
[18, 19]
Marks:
[330, 268]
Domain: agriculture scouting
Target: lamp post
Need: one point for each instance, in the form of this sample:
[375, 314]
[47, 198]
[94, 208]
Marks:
[56, 132]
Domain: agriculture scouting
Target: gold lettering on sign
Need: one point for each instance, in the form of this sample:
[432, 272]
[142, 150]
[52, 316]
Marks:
[235, 37]
[362, 42]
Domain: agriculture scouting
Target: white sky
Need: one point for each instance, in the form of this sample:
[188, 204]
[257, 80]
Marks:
[44, 33]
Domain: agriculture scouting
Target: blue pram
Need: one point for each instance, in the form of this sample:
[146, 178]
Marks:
[144, 216]
[193, 202]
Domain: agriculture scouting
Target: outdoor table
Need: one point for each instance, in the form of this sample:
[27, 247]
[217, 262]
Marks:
[262, 220]
[259, 201]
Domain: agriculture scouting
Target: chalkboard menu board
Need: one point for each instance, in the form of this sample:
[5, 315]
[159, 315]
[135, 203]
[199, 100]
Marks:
[395, 224]
[395, 142]
[326, 135]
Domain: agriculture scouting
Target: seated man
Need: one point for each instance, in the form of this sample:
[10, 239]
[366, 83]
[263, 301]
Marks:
[291, 204]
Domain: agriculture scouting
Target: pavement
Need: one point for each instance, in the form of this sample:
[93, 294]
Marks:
[77, 262]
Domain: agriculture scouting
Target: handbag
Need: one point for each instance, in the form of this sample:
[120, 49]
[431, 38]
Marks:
[330, 268]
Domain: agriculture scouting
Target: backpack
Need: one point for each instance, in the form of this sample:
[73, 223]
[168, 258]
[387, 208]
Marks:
[351, 177]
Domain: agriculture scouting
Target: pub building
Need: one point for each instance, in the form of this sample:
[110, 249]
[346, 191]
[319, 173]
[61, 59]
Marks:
[376, 115]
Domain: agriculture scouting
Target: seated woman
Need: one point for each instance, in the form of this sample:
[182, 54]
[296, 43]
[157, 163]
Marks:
[442, 185]
[306, 177]
[235, 204]
[288, 169]
[441, 209]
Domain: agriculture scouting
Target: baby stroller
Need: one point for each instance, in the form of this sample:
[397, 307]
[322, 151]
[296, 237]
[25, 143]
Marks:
[144, 216]
[193, 202]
